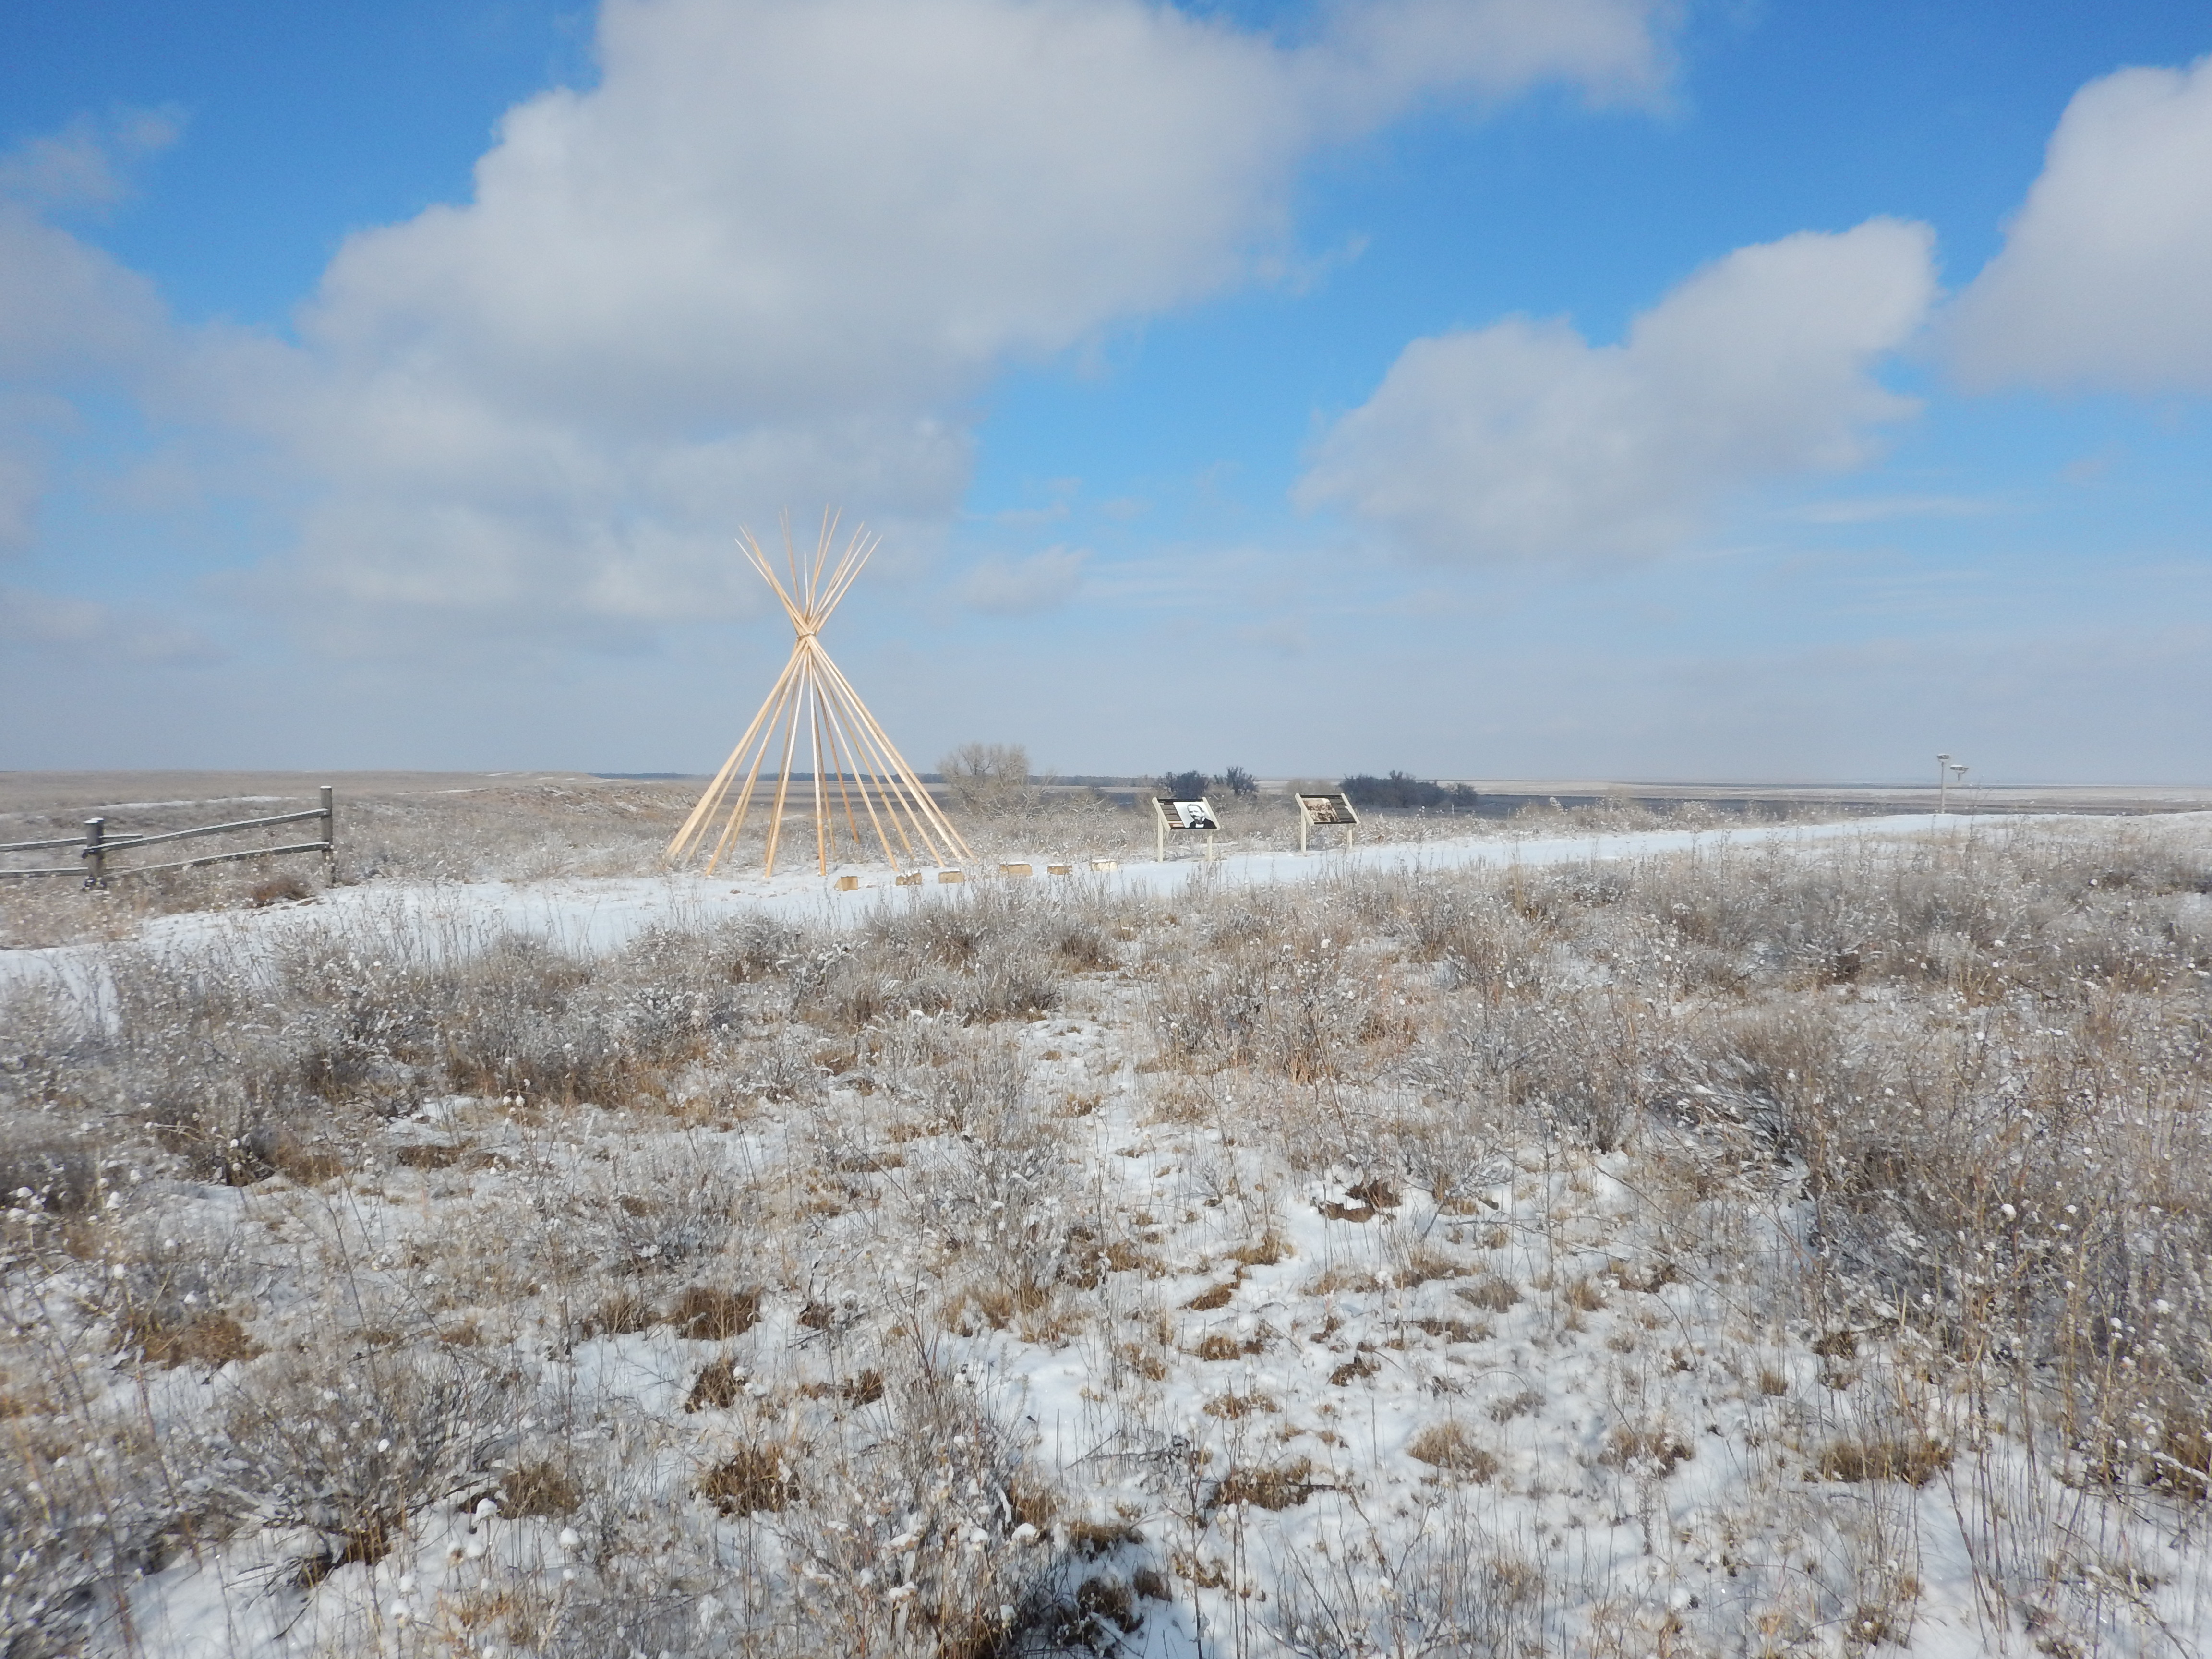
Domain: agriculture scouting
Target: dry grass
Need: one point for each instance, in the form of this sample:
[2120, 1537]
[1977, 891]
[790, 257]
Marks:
[701, 1314]
[318, 1251]
[494, 831]
[1269, 1485]
[1449, 1446]
[1913, 1459]
[748, 1480]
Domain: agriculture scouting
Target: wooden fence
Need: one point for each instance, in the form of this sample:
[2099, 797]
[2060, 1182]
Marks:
[97, 846]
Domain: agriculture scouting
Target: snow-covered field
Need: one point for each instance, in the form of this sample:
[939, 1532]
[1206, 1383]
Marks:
[1763, 1241]
[591, 916]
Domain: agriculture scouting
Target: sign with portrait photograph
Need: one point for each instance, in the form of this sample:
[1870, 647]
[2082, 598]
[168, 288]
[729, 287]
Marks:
[1182, 817]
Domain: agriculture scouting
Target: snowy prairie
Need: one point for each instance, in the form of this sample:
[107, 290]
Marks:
[1774, 1240]
[592, 916]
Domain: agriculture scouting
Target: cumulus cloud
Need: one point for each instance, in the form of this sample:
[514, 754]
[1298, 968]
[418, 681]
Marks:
[771, 256]
[2105, 280]
[1021, 587]
[1522, 440]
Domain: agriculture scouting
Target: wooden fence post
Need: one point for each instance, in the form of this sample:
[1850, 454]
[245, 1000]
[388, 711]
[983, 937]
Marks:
[329, 839]
[95, 853]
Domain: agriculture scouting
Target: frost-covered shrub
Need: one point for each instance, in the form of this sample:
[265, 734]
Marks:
[85, 1509]
[1294, 1000]
[351, 1447]
[993, 1194]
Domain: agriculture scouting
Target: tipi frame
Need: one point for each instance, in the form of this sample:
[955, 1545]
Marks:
[812, 713]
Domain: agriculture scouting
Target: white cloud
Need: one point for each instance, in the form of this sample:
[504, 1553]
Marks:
[1000, 587]
[85, 164]
[2105, 277]
[1522, 440]
[770, 258]
[1374, 55]
[29, 618]
[68, 311]
[71, 319]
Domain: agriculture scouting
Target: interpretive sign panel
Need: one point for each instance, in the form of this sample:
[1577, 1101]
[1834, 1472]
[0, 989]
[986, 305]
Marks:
[1321, 811]
[1182, 815]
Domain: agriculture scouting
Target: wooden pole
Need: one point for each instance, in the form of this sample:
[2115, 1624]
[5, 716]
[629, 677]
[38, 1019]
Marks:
[896, 807]
[702, 815]
[783, 776]
[790, 554]
[898, 800]
[837, 736]
[898, 762]
[848, 571]
[697, 823]
[821, 611]
[814, 729]
[738, 812]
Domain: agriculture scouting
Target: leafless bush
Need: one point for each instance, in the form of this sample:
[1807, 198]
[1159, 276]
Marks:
[912, 1510]
[84, 1515]
[40, 1170]
[350, 1451]
[1283, 997]
[1449, 1446]
[994, 1195]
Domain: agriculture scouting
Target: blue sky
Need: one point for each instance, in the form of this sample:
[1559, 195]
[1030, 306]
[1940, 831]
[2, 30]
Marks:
[1484, 387]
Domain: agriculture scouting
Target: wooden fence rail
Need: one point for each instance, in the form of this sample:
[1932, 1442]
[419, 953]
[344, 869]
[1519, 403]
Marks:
[95, 846]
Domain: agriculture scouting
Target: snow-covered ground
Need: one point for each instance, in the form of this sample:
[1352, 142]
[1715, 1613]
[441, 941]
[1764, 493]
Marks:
[594, 915]
[1047, 1314]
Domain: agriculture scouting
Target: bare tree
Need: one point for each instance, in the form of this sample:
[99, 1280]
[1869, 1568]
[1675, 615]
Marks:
[986, 777]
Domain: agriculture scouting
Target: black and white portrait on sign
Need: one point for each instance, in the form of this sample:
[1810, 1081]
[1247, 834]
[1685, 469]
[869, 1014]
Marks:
[1191, 814]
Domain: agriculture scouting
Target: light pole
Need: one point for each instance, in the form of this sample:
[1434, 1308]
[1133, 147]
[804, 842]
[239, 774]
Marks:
[1958, 774]
[1942, 783]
